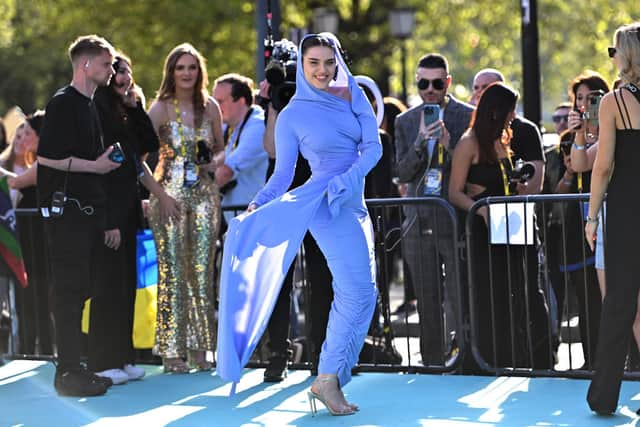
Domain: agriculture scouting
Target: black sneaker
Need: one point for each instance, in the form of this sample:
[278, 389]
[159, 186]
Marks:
[277, 369]
[108, 382]
[407, 308]
[78, 384]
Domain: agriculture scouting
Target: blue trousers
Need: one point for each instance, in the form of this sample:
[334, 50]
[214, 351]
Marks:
[347, 243]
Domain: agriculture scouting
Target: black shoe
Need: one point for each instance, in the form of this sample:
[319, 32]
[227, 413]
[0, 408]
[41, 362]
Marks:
[277, 369]
[407, 308]
[106, 381]
[78, 384]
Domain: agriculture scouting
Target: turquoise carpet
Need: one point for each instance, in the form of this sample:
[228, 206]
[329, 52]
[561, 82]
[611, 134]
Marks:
[27, 399]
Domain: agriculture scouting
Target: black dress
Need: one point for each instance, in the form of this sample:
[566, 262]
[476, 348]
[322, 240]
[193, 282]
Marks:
[622, 270]
[504, 280]
[113, 295]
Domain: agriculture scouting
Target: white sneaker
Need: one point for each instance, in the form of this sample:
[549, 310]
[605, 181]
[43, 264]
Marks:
[133, 372]
[118, 376]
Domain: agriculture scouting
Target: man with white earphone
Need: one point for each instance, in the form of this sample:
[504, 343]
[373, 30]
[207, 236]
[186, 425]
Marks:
[72, 160]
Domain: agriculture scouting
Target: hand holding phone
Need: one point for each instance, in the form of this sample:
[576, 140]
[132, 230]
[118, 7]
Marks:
[117, 155]
[431, 114]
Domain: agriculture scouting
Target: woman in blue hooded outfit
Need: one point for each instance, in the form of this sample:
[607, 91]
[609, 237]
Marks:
[331, 122]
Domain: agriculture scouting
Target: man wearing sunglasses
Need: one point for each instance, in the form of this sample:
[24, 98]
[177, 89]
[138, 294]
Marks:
[560, 117]
[423, 156]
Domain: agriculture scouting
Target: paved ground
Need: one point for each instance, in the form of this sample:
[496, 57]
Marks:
[27, 399]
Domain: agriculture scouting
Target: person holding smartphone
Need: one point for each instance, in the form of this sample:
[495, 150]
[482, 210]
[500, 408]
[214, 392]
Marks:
[584, 272]
[425, 137]
[72, 159]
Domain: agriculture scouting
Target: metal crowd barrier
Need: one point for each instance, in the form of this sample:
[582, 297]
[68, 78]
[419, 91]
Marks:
[400, 343]
[533, 289]
[511, 308]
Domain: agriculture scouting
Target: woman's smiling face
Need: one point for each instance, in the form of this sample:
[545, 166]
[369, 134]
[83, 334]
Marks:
[319, 65]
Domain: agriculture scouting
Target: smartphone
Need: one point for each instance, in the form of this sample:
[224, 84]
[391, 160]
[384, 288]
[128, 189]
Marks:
[593, 105]
[117, 155]
[431, 115]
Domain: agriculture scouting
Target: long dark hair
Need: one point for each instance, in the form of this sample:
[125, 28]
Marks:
[489, 119]
[591, 79]
[112, 97]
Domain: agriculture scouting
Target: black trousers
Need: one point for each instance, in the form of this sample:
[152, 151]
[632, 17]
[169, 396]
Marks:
[112, 305]
[618, 309]
[319, 278]
[74, 243]
[428, 246]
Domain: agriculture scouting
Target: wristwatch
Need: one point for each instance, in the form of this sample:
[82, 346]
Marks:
[592, 220]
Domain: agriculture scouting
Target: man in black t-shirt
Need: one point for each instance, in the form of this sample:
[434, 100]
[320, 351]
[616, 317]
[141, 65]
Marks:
[526, 141]
[71, 195]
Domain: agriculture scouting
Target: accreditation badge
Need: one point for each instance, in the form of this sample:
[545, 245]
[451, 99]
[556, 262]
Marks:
[433, 182]
[190, 174]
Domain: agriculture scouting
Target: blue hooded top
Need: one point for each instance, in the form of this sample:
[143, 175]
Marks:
[339, 138]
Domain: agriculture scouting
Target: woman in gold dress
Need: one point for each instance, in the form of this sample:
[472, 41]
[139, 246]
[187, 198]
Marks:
[188, 123]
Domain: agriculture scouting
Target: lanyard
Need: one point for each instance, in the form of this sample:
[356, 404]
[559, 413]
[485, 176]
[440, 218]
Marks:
[505, 178]
[183, 144]
[579, 182]
[440, 154]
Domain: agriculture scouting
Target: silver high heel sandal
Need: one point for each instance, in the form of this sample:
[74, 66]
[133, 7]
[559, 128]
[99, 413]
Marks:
[349, 409]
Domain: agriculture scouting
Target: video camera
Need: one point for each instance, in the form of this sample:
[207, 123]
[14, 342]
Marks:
[280, 72]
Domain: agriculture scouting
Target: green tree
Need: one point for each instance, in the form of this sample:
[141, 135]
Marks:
[475, 34]
[35, 63]
[7, 11]
[472, 34]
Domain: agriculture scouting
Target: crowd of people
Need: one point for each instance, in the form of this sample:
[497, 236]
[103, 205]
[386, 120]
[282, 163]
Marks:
[198, 150]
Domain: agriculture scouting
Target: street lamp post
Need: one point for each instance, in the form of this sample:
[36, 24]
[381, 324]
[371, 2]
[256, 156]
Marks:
[325, 19]
[401, 23]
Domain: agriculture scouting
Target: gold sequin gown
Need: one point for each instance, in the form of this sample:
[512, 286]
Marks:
[186, 248]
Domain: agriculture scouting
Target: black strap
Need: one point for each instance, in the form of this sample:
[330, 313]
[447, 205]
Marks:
[66, 176]
[634, 90]
[624, 122]
[244, 122]
[96, 117]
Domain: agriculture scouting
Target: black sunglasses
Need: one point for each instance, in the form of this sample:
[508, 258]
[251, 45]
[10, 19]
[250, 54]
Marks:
[612, 51]
[438, 84]
[560, 117]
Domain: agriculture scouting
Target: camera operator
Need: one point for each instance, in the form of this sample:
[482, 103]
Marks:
[275, 93]
[71, 196]
[245, 165]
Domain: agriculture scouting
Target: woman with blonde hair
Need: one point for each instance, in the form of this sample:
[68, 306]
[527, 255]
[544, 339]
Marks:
[188, 124]
[619, 144]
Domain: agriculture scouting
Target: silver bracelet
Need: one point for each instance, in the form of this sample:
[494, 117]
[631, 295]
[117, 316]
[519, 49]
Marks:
[579, 147]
